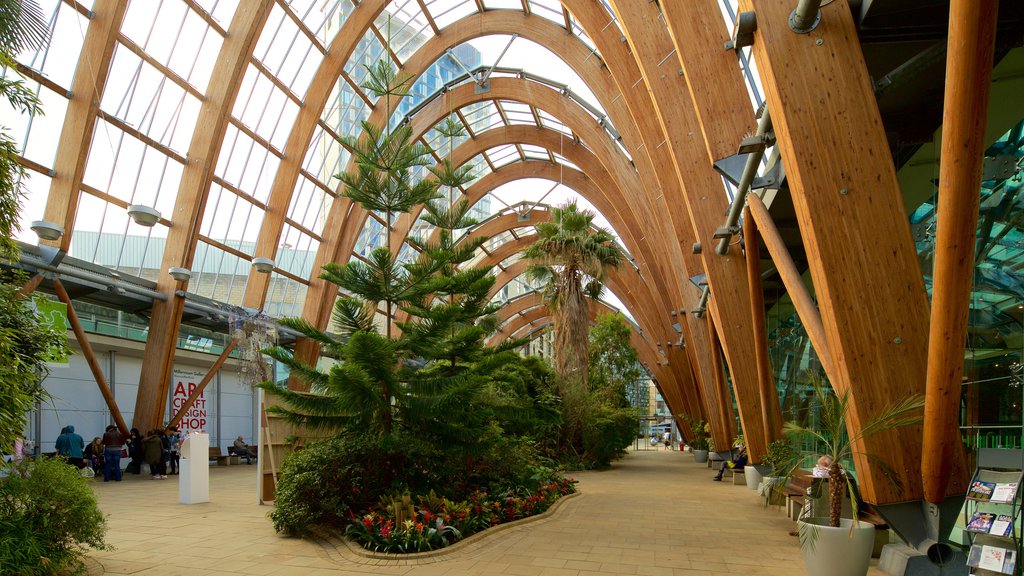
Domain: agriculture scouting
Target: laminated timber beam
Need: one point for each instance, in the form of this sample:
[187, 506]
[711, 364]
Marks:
[573, 52]
[80, 118]
[706, 201]
[972, 34]
[646, 141]
[189, 206]
[765, 378]
[617, 168]
[855, 229]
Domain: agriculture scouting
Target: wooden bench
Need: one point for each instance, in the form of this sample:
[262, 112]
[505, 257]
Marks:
[796, 493]
[738, 477]
[215, 454]
[249, 459]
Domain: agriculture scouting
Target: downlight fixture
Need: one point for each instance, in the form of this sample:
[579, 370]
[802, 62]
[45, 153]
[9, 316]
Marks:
[47, 230]
[180, 274]
[263, 265]
[144, 215]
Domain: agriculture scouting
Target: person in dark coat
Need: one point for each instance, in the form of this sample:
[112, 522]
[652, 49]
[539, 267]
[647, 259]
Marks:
[135, 452]
[153, 448]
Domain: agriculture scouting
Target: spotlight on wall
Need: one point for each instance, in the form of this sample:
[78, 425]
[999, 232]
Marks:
[263, 265]
[47, 230]
[180, 274]
[144, 215]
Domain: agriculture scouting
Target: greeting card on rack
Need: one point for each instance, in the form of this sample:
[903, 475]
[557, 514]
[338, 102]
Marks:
[1004, 492]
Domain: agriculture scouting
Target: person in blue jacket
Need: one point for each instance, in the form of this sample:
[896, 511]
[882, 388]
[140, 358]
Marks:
[70, 445]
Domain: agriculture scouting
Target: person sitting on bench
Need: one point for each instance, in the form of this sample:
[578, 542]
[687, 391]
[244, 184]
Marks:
[242, 449]
[738, 462]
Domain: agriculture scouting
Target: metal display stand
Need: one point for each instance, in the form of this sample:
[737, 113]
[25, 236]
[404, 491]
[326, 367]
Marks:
[998, 467]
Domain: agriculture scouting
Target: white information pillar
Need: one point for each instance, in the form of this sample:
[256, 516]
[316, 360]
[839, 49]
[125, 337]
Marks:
[194, 480]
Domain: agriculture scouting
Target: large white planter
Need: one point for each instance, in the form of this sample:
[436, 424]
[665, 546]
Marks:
[700, 456]
[836, 551]
[752, 476]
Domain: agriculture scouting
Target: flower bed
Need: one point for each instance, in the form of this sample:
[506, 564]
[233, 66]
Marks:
[436, 522]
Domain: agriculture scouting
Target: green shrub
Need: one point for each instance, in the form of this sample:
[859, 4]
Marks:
[48, 517]
[607, 432]
[320, 484]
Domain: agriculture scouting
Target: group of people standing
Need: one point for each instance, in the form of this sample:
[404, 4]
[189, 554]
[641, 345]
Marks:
[160, 450]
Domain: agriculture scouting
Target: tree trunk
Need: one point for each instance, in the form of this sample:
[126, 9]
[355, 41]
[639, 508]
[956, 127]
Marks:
[836, 489]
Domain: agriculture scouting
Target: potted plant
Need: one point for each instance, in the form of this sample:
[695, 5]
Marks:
[823, 540]
[699, 445]
[773, 470]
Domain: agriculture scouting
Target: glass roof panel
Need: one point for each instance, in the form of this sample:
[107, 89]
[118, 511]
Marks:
[221, 10]
[550, 9]
[173, 35]
[296, 252]
[325, 158]
[285, 296]
[265, 108]
[323, 18]
[447, 11]
[367, 53]
[483, 117]
[67, 32]
[36, 135]
[534, 152]
[371, 237]
[126, 168]
[503, 155]
[247, 165]
[518, 113]
[409, 27]
[218, 274]
[231, 220]
[309, 205]
[149, 102]
[503, 4]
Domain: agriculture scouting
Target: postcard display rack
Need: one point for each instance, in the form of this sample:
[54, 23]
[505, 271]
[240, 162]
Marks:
[991, 514]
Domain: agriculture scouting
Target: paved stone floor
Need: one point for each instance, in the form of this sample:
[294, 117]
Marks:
[653, 513]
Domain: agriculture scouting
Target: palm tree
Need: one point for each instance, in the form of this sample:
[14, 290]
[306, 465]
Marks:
[572, 257]
[833, 440]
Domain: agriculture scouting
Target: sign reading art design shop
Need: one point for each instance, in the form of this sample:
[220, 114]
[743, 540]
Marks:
[53, 315]
[184, 381]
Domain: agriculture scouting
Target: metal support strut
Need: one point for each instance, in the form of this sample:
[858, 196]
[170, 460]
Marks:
[764, 125]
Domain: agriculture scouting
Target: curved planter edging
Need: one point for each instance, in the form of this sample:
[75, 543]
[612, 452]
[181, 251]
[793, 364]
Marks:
[358, 550]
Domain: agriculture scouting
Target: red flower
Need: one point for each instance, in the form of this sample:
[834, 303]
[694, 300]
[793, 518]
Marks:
[368, 521]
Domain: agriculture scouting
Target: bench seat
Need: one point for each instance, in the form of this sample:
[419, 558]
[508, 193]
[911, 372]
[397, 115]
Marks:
[216, 454]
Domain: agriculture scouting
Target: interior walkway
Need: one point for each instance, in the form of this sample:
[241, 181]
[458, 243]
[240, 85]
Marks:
[654, 513]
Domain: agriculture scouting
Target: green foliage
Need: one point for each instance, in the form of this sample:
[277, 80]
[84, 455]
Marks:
[614, 363]
[24, 346]
[322, 483]
[832, 436]
[700, 441]
[48, 517]
[778, 454]
[571, 257]
[607, 431]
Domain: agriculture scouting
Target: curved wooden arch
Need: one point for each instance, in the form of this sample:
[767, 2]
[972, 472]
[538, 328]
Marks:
[568, 47]
[189, 205]
[321, 293]
[657, 164]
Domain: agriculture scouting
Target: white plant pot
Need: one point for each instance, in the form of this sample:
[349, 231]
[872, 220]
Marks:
[700, 456]
[752, 476]
[823, 545]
